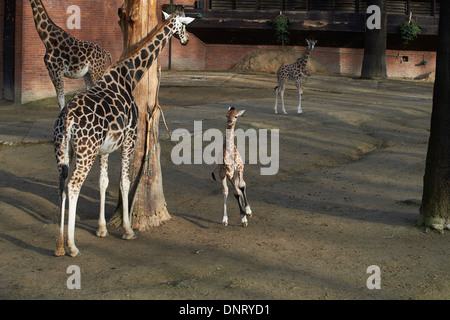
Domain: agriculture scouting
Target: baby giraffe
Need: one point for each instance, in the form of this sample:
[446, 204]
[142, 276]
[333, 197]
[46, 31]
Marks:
[231, 166]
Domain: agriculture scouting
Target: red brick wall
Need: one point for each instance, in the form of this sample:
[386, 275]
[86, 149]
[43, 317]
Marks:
[99, 24]
[346, 61]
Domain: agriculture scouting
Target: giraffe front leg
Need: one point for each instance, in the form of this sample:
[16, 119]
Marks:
[300, 93]
[225, 196]
[282, 101]
[276, 100]
[102, 232]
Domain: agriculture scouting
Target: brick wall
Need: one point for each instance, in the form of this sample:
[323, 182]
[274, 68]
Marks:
[99, 24]
[346, 61]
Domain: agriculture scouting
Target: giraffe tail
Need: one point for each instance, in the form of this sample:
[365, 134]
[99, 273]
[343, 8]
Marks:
[213, 175]
[62, 146]
[109, 56]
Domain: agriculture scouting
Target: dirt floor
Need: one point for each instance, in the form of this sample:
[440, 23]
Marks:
[345, 197]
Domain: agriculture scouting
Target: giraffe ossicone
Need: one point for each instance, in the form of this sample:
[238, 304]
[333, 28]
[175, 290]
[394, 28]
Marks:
[99, 121]
[296, 72]
[67, 56]
[231, 168]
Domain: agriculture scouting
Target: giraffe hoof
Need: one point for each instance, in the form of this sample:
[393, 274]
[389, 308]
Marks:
[102, 233]
[130, 236]
[74, 253]
[60, 252]
[284, 112]
[245, 224]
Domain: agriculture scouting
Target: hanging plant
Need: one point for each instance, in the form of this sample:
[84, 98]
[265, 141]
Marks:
[281, 27]
[409, 30]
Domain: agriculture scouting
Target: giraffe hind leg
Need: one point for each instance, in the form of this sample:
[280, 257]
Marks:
[241, 196]
[64, 171]
[102, 232]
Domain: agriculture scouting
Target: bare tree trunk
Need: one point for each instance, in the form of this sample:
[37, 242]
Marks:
[374, 60]
[137, 20]
[435, 207]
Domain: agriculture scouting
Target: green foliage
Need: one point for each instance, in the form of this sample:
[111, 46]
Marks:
[281, 27]
[409, 31]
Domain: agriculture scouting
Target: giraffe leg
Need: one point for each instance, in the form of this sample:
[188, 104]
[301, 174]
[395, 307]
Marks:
[276, 100]
[57, 77]
[60, 251]
[241, 196]
[81, 170]
[300, 92]
[125, 189]
[225, 196]
[88, 80]
[282, 99]
[104, 181]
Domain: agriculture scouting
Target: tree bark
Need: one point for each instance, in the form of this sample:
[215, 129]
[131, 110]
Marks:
[374, 60]
[435, 207]
[149, 208]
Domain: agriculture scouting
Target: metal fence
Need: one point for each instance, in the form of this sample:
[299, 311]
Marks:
[417, 7]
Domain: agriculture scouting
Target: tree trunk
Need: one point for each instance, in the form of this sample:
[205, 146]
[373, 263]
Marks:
[149, 207]
[435, 207]
[374, 60]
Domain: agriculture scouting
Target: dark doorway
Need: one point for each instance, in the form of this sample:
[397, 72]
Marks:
[8, 49]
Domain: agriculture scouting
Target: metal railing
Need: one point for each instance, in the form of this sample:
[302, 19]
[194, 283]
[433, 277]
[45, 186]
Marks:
[418, 7]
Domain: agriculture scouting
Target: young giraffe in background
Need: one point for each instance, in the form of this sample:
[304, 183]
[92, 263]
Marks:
[66, 56]
[298, 73]
[231, 167]
[101, 120]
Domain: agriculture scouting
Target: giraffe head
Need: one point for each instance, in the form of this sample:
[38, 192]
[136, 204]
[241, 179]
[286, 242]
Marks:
[232, 116]
[311, 43]
[179, 30]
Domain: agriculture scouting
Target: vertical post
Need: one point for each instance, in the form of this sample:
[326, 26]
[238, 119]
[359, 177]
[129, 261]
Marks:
[408, 7]
[356, 6]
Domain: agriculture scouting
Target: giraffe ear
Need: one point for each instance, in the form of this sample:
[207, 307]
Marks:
[166, 15]
[186, 20]
[240, 113]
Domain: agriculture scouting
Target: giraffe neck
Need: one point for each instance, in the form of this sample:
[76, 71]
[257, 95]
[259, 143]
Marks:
[229, 140]
[305, 56]
[44, 25]
[136, 64]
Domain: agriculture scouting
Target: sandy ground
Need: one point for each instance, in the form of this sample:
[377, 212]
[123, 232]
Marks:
[345, 198]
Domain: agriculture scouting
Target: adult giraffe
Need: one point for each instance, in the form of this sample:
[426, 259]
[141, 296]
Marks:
[101, 120]
[66, 56]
